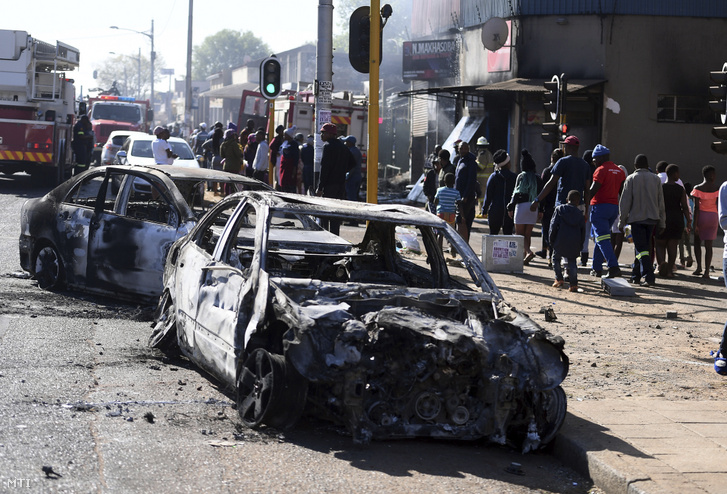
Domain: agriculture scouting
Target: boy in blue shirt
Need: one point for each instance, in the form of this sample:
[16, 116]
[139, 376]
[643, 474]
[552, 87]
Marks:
[446, 201]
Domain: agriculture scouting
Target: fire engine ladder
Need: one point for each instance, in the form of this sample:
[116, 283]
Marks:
[48, 60]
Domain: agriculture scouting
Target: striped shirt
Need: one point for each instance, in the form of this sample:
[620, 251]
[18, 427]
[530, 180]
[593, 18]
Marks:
[448, 196]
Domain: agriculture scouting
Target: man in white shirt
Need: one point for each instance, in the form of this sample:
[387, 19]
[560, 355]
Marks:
[161, 149]
[260, 163]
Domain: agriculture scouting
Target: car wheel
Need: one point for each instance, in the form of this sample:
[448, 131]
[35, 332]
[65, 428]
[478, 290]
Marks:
[554, 410]
[164, 332]
[49, 268]
[269, 391]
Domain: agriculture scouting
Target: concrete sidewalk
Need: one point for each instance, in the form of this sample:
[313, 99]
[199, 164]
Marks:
[647, 445]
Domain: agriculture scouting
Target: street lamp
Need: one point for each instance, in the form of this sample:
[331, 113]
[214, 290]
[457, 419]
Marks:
[151, 37]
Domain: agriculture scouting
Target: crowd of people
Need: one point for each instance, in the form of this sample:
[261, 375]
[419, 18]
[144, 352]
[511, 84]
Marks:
[289, 154]
[578, 198]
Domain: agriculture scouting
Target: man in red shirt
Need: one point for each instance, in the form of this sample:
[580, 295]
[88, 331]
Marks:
[605, 189]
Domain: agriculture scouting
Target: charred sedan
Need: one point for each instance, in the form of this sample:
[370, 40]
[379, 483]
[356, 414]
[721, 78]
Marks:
[108, 230]
[371, 329]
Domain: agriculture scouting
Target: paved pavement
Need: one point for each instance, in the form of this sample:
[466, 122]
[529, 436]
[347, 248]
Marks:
[647, 445]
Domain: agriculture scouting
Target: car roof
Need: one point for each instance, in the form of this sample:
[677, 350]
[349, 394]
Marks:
[141, 136]
[182, 173]
[125, 132]
[337, 207]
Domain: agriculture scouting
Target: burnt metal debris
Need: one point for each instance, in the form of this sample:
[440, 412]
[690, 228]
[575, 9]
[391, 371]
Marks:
[389, 342]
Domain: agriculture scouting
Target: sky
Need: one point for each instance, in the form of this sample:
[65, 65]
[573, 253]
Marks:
[282, 24]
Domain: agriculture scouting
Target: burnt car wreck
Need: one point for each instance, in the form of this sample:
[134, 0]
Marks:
[390, 342]
[108, 230]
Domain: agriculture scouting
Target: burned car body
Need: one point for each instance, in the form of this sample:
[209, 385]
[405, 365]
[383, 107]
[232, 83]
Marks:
[108, 230]
[386, 340]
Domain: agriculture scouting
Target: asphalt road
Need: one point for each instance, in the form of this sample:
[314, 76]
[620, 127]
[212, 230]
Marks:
[86, 406]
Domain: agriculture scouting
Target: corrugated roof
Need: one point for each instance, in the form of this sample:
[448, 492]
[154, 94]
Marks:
[231, 91]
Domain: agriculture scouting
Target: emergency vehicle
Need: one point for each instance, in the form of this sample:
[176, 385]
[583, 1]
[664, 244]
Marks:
[37, 106]
[109, 112]
[348, 114]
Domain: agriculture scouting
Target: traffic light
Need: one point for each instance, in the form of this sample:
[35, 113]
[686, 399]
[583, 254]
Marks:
[552, 97]
[563, 128]
[359, 39]
[270, 78]
[719, 105]
[552, 131]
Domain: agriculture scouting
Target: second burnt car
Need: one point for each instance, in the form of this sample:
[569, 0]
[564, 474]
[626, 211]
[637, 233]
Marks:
[377, 334]
[108, 230]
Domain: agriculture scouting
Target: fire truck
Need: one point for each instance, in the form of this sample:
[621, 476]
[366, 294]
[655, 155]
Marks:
[112, 112]
[348, 113]
[37, 106]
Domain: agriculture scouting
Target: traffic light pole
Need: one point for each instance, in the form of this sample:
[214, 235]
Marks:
[372, 154]
[324, 79]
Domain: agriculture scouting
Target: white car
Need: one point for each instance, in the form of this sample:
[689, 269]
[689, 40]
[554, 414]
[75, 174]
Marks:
[137, 151]
[113, 144]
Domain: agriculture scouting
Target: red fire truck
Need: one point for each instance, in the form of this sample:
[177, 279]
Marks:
[36, 106]
[109, 112]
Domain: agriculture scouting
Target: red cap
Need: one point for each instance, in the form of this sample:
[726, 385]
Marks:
[572, 140]
[329, 128]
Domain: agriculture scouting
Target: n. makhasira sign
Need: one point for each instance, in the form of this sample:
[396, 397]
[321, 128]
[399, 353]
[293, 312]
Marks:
[431, 59]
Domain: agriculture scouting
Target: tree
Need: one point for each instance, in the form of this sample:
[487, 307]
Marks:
[226, 49]
[124, 70]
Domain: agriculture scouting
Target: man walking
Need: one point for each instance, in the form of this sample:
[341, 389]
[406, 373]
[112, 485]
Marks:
[498, 193]
[606, 186]
[465, 181]
[642, 206]
[336, 161]
[260, 163]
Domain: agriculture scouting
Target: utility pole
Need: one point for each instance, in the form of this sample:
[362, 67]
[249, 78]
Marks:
[188, 80]
[324, 78]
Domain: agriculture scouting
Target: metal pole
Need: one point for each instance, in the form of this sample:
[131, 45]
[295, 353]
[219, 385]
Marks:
[271, 133]
[188, 85]
[372, 155]
[324, 77]
[138, 85]
[152, 69]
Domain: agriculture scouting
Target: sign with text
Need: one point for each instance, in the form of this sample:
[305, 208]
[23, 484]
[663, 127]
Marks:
[430, 60]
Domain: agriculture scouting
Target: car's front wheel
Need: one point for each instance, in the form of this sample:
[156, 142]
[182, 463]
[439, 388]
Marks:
[49, 268]
[269, 391]
[164, 333]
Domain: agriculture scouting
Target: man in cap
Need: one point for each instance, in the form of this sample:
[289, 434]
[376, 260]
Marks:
[353, 177]
[160, 147]
[605, 189]
[569, 173]
[289, 157]
[642, 206]
[336, 161]
[485, 165]
[498, 193]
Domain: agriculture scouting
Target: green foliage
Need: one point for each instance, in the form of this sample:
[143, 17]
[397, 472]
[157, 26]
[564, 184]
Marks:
[226, 49]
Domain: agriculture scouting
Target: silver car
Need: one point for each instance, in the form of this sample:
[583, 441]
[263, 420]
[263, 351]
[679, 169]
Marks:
[370, 328]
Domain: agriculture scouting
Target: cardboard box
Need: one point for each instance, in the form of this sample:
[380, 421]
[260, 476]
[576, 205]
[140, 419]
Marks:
[503, 253]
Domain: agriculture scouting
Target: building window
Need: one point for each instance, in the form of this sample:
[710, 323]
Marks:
[683, 109]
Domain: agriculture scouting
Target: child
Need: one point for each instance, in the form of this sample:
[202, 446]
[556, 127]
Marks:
[567, 233]
[446, 200]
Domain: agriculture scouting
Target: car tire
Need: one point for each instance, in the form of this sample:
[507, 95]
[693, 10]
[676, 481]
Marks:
[164, 332]
[554, 411]
[270, 391]
[49, 270]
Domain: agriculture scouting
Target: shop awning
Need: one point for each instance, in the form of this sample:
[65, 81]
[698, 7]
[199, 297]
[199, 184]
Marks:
[524, 85]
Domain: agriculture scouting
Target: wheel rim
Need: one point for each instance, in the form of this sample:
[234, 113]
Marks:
[256, 387]
[47, 268]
